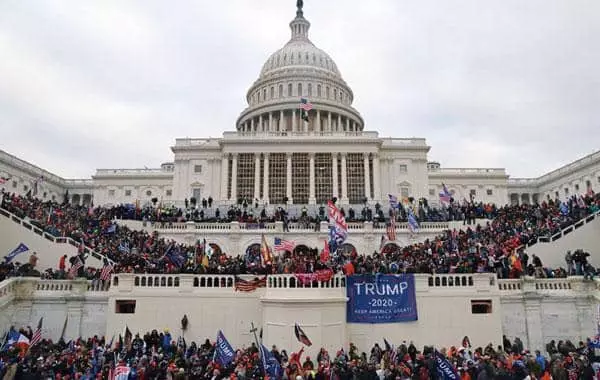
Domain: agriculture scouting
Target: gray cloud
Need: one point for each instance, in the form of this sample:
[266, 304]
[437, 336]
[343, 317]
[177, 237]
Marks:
[498, 83]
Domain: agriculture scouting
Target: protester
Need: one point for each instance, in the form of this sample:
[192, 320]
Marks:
[494, 247]
[156, 355]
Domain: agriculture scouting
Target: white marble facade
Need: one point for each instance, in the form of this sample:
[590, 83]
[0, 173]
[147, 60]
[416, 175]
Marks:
[276, 156]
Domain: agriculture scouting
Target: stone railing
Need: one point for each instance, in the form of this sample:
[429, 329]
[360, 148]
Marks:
[7, 291]
[58, 240]
[278, 227]
[290, 281]
[548, 286]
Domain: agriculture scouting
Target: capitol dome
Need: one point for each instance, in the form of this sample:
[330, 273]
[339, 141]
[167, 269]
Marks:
[299, 72]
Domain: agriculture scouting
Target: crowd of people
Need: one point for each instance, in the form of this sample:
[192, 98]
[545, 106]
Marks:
[158, 355]
[493, 247]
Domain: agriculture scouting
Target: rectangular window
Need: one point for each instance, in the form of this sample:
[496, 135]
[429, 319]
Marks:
[356, 178]
[309, 89]
[556, 194]
[319, 90]
[473, 192]
[111, 193]
[481, 307]
[169, 193]
[323, 177]
[125, 306]
[566, 191]
[300, 178]
[127, 193]
[245, 176]
[403, 168]
[197, 169]
[15, 184]
[489, 192]
[277, 177]
[404, 192]
[576, 187]
[196, 193]
[432, 192]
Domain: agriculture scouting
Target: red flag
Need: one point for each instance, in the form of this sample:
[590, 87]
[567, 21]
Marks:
[325, 253]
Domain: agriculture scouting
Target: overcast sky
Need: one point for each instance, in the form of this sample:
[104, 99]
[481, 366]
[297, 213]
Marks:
[111, 84]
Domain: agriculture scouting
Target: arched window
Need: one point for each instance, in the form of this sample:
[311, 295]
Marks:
[264, 94]
[280, 90]
[327, 92]
[335, 93]
[299, 89]
[289, 89]
[309, 89]
[319, 90]
[272, 92]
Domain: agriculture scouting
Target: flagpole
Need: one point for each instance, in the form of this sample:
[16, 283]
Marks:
[262, 356]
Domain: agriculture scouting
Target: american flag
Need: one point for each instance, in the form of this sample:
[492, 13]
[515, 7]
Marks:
[75, 268]
[121, 373]
[106, 271]
[391, 229]
[445, 195]
[305, 104]
[250, 285]
[284, 245]
[37, 334]
[3, 180]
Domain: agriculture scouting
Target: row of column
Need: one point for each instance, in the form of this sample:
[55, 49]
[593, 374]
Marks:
[270, 124]
[312, 197]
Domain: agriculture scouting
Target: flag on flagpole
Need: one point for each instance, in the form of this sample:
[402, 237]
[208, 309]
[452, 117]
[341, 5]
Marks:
[284, 245]
[391, 228]
[265, 251]
[106, 272]
[37, 334]
[305, 106]
[75, 268]
[15, 252]
[301, 336]
[64, 329]
[413, 225]
[445, 195]
[325, 253]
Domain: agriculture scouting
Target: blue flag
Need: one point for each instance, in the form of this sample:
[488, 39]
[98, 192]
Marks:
[17, 251]
[270, 363]
[564, 208]
[111, 229]
[224, 353]
[174, 256]
[444, 368]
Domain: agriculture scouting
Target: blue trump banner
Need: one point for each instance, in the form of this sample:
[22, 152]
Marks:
[224, 353]
[444, 368]
[15, 252]
[381, 298]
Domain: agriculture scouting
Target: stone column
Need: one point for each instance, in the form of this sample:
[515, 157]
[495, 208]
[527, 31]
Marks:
[266, 179]
[376, 178]
[256, 175]
[288, 178]
[339, 124]
[344, 180]
[270, 121]
[334, 174]
[224, 176]
[294, 121]
[329, 127]
[367, 177]
[260, 123]
[533, 323]
[318, 122]
[311, 197]
[234, 178]
[252, 125]
[347, 124]
[281, 124]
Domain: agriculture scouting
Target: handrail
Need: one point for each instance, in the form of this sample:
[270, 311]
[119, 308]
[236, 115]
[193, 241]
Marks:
[52, 238]
[568, 229]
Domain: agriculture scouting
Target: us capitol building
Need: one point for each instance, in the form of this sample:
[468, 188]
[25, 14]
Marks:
[284, 151]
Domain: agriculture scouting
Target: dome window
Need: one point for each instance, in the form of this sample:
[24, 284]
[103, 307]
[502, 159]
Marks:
[280, 94]
[299, 89]
[319, 90]
[314, 58]
[327, 92]
[335, 93]
[278, 59]
[264, 94]
[309, 89]
[272, 92]
[306, 56]
[291, 58]
[289, 90]
[285, 58]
